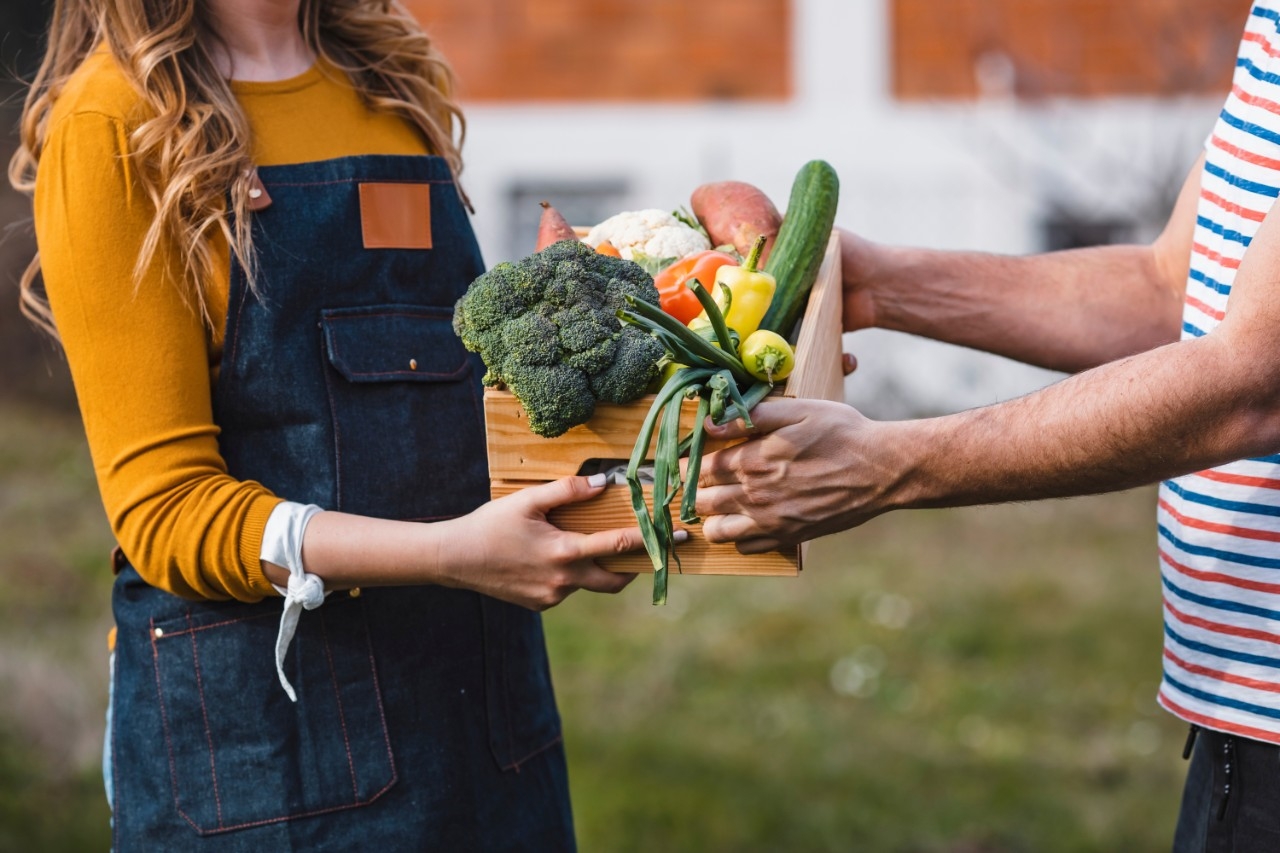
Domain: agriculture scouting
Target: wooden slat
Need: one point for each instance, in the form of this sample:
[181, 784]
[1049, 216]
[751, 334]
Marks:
[515, 453]
[818, 374]
[697, 556]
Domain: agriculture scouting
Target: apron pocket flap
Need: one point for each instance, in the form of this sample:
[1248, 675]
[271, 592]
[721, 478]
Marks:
[394, 343]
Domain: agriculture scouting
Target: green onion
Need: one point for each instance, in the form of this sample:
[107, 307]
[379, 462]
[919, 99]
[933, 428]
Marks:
[717, 377]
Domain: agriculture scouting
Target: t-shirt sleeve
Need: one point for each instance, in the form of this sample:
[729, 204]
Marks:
[139, 357]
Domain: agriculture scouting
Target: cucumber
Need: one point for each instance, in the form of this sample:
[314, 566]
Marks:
[802, 242]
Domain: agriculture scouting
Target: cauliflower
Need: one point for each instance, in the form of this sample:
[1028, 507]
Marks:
[648, 234]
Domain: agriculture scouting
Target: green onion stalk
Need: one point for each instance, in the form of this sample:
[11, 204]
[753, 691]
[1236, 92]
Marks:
[713, 375]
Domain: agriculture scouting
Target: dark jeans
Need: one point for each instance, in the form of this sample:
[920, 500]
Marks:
[1231, 803]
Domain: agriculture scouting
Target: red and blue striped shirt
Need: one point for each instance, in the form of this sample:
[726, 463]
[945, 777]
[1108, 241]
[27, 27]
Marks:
[1219, 530]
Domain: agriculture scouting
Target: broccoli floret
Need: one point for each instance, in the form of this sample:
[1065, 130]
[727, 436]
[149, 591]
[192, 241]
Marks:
[582, 326]
[634, 366]
[503, 292]
[546, 327]
[556, 397]
[531, 338]
[634, 281]
[595, 359]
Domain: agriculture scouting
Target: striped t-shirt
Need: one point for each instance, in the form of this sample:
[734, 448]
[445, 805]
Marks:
[1219, 530]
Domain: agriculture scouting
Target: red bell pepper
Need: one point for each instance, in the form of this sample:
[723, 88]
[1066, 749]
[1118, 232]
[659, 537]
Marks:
[674, 294]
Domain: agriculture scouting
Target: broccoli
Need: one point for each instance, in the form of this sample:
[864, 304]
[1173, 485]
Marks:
[632, 370]
[547, 328]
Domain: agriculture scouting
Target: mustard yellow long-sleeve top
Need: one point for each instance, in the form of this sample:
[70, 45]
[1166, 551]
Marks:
[142, 359]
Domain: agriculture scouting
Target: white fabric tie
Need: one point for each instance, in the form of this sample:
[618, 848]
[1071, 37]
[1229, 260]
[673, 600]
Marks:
[282, 546]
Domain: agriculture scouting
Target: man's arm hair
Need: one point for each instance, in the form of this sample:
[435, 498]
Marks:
[1069, 310]
[1182, 407]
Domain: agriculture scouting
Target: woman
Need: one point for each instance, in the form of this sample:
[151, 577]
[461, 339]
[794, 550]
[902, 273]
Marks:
[251, 240]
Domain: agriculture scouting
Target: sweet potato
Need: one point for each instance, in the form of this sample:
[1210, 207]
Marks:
[553, 227]
[736, 213]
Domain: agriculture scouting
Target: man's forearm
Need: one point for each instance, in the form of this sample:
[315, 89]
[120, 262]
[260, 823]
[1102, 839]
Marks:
[1068, 311]
[1171, 411]
[814, 468]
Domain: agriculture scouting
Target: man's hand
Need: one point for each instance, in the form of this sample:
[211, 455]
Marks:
[857, 262]
[811, 468]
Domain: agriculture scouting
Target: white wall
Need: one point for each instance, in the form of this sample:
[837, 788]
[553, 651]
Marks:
[943, 176]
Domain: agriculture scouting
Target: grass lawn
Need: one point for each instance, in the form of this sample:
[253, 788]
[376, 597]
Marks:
[960, 680]
[969, 681]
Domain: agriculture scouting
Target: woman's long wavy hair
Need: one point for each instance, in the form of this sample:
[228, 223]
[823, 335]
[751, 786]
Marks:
[191, 152]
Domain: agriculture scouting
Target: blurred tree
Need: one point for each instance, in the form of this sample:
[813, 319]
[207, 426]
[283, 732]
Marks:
[31, 367]
[23, 26]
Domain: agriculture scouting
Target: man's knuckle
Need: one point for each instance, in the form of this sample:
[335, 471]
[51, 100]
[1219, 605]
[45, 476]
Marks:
[621, 543]
[562, 552]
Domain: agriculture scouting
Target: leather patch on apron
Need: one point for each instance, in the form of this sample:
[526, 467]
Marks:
[258, 197]
[395, 216]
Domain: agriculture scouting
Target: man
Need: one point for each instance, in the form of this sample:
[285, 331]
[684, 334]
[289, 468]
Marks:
[1170, 383]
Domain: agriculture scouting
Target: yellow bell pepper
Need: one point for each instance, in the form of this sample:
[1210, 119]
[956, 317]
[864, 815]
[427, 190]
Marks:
[767, 356]
[750, 291]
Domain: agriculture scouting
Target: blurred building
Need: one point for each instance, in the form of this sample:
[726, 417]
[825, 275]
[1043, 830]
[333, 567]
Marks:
[1000, 125]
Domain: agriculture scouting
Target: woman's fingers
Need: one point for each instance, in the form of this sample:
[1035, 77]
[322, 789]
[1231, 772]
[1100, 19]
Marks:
[568, 560]
[596, 579]
[607, 543]
[547, 496]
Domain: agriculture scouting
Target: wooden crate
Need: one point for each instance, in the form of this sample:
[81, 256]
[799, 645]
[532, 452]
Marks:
[518, 458]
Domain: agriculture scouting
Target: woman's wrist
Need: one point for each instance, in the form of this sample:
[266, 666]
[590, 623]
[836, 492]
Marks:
[348, 550]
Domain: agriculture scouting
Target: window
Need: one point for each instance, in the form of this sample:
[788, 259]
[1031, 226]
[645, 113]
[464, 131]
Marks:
[614, 50]
[1066, 231]
[1073, 48]
[583, 202]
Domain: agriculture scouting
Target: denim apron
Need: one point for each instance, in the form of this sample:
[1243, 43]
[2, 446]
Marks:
[425, 717]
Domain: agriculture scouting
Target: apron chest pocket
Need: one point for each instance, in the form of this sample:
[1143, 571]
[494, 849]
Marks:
[240, 753]
[406, 408]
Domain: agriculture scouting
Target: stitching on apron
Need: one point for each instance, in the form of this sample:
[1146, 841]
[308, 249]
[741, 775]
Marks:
[477, 404]
[342, 716]
[377, 692]
[455, 373]
[506, 691]
[515, 765]
[204, 712]
[328, 370]
[195, 628]
[164, 719]
[229, 347]
[173, 772]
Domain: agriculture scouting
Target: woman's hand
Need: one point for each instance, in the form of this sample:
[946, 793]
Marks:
[810, 468]
[509, 550]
